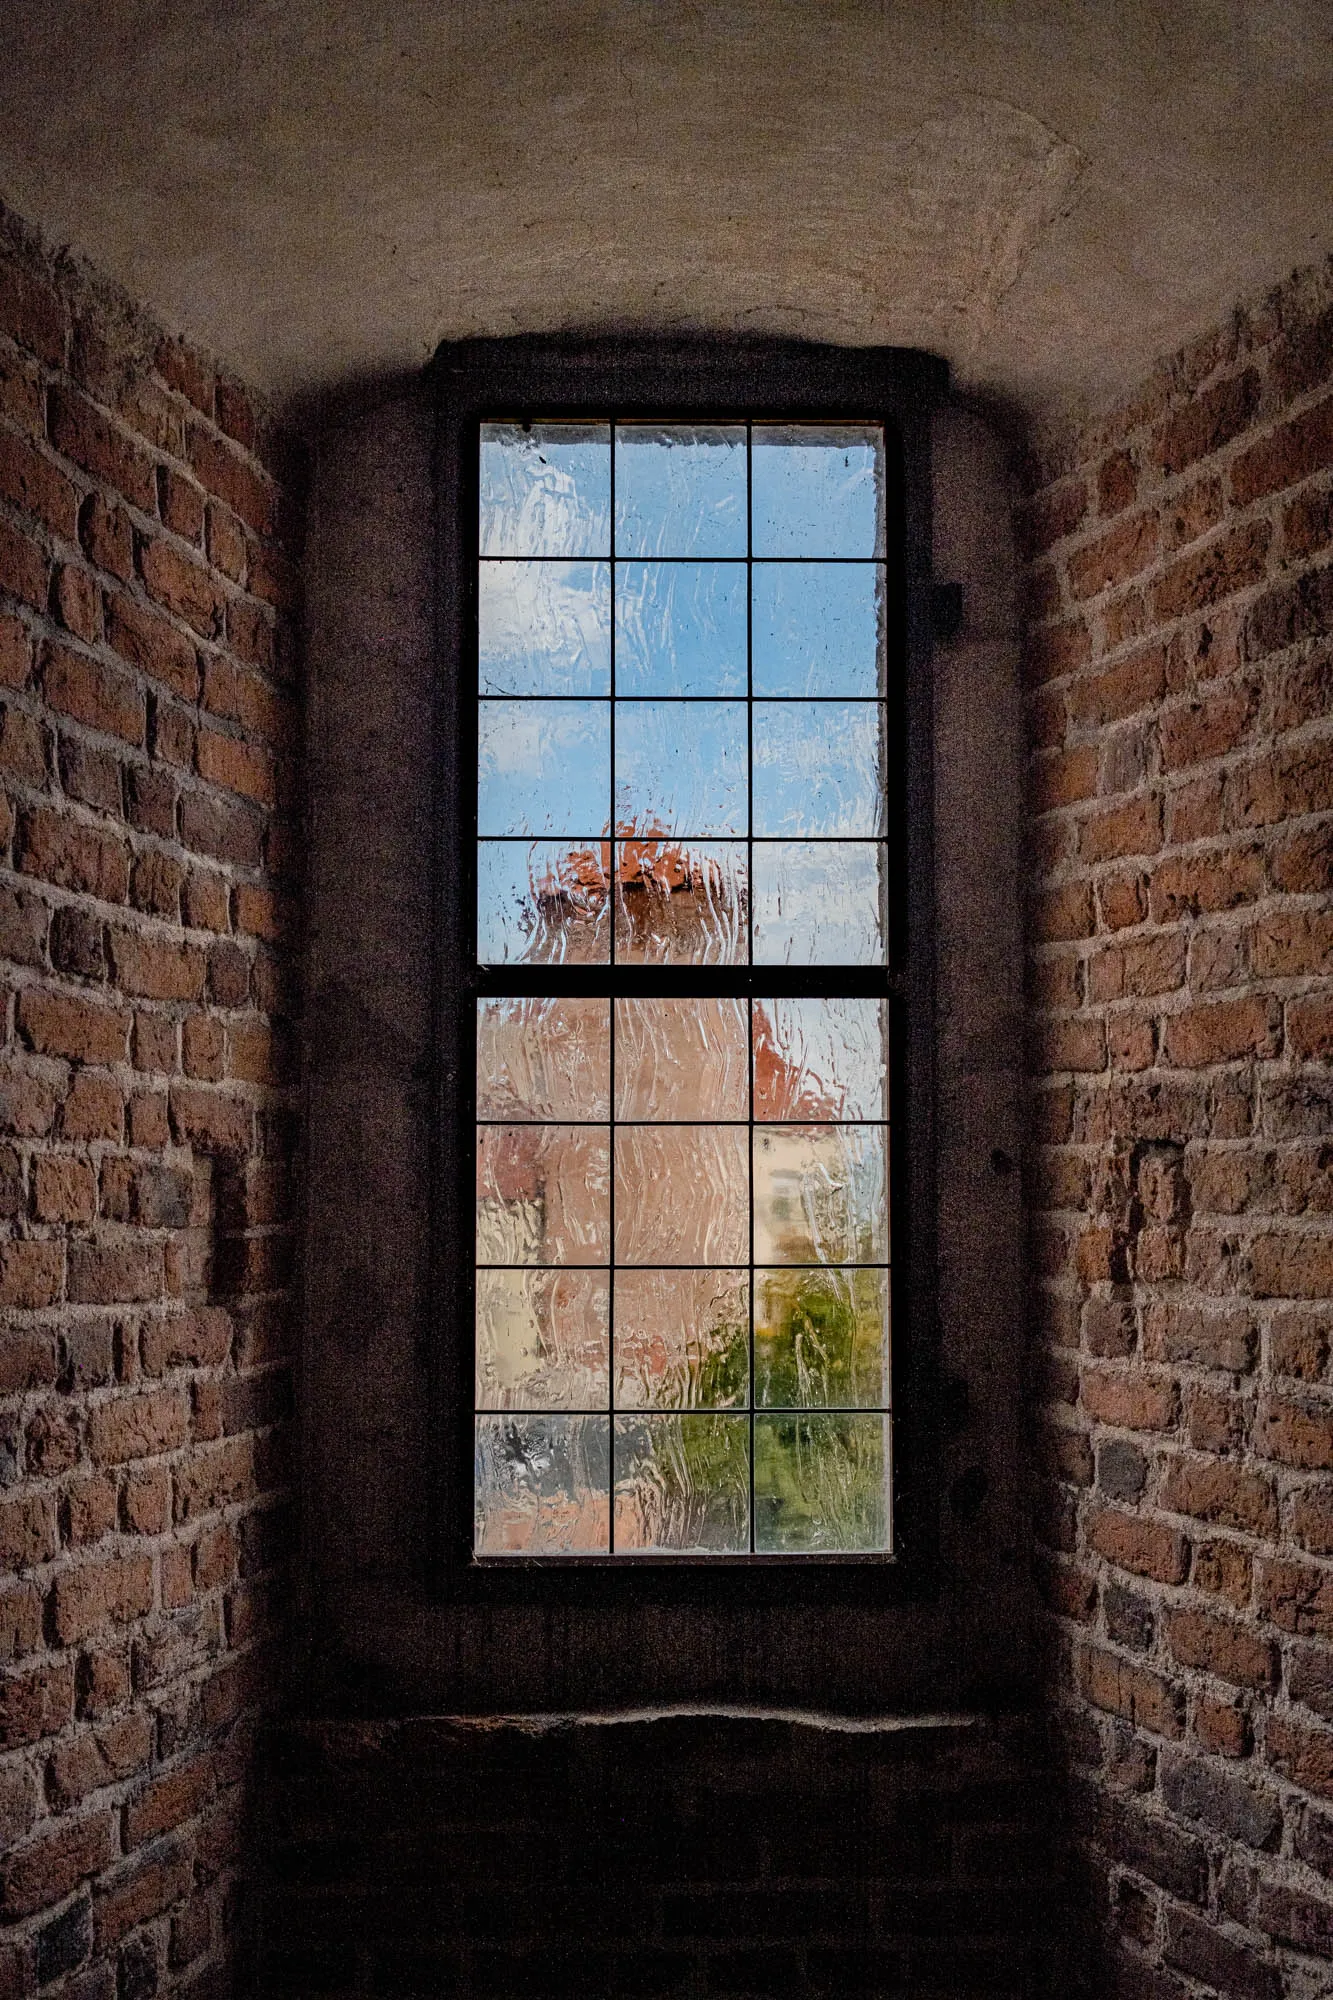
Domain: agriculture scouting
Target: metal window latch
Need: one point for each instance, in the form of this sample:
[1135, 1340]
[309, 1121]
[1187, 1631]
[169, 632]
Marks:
[946, 610]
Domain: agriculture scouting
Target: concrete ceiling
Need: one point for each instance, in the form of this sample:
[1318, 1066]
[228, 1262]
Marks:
[1052, 193]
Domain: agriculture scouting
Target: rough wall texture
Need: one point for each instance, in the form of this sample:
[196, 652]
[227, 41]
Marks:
[146, 995]
[1180, 673]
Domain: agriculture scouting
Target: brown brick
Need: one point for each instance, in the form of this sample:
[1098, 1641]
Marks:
[211, 1480]
[23, 926]
[200, 1339]
[1234, 562]
[93, 774]
[35, 1702]
[1133, 828]
[83, 433]
[57, 1024]
[106, 536]
[1211, 1490]
[1222, 1030]
[98, 1757]
[1224, 1569]
[1148, 1548]
[180, 504]
[1198, 730]
[15, 652]
[1143, 1699]
[1207, 422]
[77, 602]
[140, 1892]
[187, 371]
[1307, 524]
[227, 549]
[1312, 1519]
[1302, 445]
[206, 900]
[149, 643]
[97, 1593]
[64, 1189]
[32, 311]
[258, 912]
[1221, 1646]
[147, 1500]
[142, 1426]
[1300, 608]
[250, 633]
[203, 1048]
[182, 587]
[156, 969]
[1291, 944]
[115, 1274]
[1128, 1401]
[236, 765]
[228, 477]
[1051, 651]
[1298, 1597]
[45, 1870]
[235, 414]
[1288, 1266]
[94, 693]
[31, 1273]
[223, 829]
[23, 752]
[169, 1801]
[1304, 1755]
[1128, 549]
[148, 1119]
[28, 1531]
[1119, 691]
[30, 481]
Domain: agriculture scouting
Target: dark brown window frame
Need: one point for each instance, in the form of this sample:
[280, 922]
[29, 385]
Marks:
[533, 378]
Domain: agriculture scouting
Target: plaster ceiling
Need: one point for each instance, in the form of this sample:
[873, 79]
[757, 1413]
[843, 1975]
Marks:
[1051, 193]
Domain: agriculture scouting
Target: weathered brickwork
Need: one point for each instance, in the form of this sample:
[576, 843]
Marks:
[1179, 688]
[147, 995]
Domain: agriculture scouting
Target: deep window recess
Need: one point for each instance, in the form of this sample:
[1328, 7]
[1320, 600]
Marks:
[694, 1004]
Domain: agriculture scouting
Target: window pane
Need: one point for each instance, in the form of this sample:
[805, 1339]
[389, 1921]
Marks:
[543, 767]
[680, 490]
[545, 490]
[818, 490]
[682, 902]
[819, 902]
[820, 1194]
[821, 1483]
[682, 1339]
[544, 628]
[682, 767]
[543, 1486]
[821, 1058]
[682, 1194]
[539, 1058]
[819, 768]
[821, 1338]
[542, 902]
[543, 1194]
[682, 1059]
[818, 628]
[683, 1485]
[543, 1340]
[680, 628]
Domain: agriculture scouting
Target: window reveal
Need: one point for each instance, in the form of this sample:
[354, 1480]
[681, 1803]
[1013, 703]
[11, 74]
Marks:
[682, 1222]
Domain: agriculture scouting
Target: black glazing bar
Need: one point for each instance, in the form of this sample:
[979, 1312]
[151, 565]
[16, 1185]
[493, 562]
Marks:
[705, 562]
[699, 839]
[611, 1042]
[844, 1264]
[707, 1124]
[691, 701]
[706, 1410]
[749, 793]
[752, 1271]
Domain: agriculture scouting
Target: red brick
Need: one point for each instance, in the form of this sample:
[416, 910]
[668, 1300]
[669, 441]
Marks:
[1063, 913]
[140, 1892]
[1295, 1433]
[1223, 1569]
[31, 482]
[1148, 1548]
[115, 1273]
[1223, 1647]
[1222, 1030]
[55, 1024]
[203, 1048]
[78, 602]
[93, 692]
[83, 433]
[1310, 1028]
[46, 1870]
[94, 1108]
[235, 414]
[64, 1189]
[1207, 422]
[23, 751]
[1312, 1519]
[25, 571]
[187, 371]
[155, 884]
[27, 1359]
[1190, 885]
[210, 1120]
[1302, 445]
[1199, 730]
[1049, 652]
[1119, 691]
[31, 1273]
[1128, 1401]
[15, 652]
[169, 1801]
[28, 1531]
[106, 534]
[228, 477]
[206, 901]
[1304, 1755]
[227, 548]
[1290, 944]
[1212, 1490]
[210, 1480]
[200, 1339]
[152, 645]
[182, 587]
[1134, 828]
[250, 633]
[180, 504]
[32, 311]
[1234, 562]
[156, 969]
[1307, 524]
[221, 828]
[141, 1426]
[1073, 1043]
[98, 1757]
[1141, 1698]
[94, 1594]
[1192, 513]
[36, 1702]
[1125, 552]
[236, 765]
[258, 912]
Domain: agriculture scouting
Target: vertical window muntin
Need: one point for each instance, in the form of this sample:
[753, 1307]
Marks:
[622, 977]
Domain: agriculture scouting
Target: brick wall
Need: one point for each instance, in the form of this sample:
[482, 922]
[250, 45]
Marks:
[1179, 671]
[146, 1130]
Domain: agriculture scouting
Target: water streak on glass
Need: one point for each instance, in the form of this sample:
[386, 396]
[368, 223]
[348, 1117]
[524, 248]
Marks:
[819, 768]
[543, 1194]
[821, 1484]
[818, 629]
[682, 1485]
[682, 1339]
[681, 767]
[682, 902]
[543, 902]
[542, 1340]
[821, 1337]
[819, 902]
[542, 1486]
[680, 490]
[818, 490]
[544, 628]
[820, 1194]
[543, 767]
[680, 628]
[821, 1058]
[543, 1058]
[545, 490]
[686, 1058]
[682, 1194]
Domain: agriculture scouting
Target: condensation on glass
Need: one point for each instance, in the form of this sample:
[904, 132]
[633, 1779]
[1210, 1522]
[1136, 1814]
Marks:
[682, 1207]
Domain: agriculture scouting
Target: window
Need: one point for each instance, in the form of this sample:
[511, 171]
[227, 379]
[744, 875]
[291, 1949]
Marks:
[686, 984]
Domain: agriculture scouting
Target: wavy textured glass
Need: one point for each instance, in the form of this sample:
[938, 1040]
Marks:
[820, 1194]
[682, 1485]
[680, 490]
[543, 1194]
[821, 1483]
[821, 1338]
[819, 902]
[545, 490]
[543, 902]
[818, 768]
[818, 629]
[543, 1340]
[682, 1194]
[544, 628]
[818, 490]
[543, 767]
[819, 1057]
[542, 1486]
[680, 628]
[682, 1339]
[682, 902]
[543, 1058]
[686, 1058]
[682, 767]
